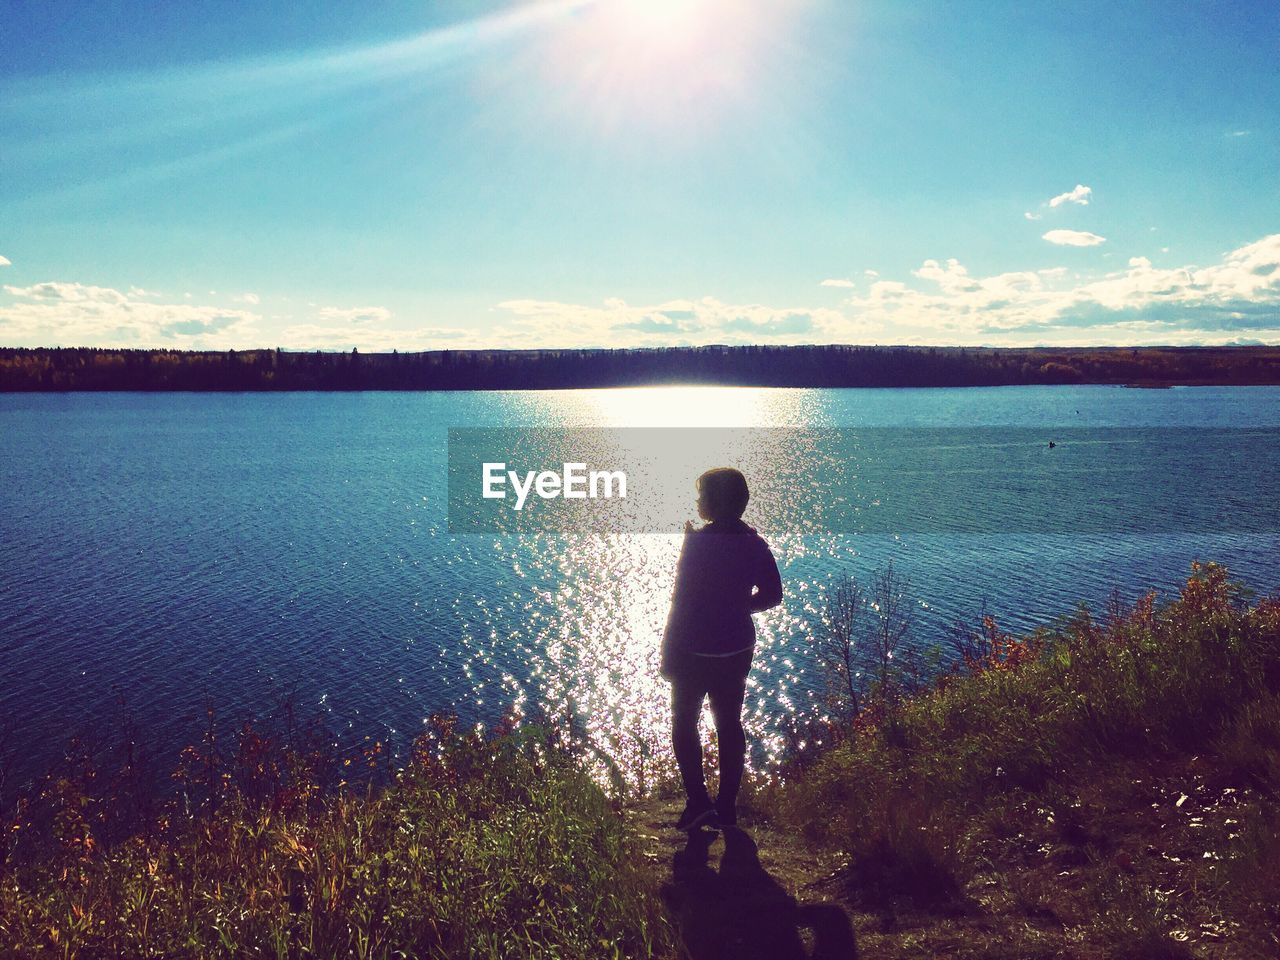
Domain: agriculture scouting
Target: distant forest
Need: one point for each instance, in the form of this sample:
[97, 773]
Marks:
[816, 366]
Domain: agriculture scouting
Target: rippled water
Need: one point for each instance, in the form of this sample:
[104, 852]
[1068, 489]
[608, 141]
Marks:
[164, 551]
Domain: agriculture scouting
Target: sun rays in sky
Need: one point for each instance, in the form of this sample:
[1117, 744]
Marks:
[638, 172]
[610, 64]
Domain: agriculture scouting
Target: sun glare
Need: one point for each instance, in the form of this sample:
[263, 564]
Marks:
[669, 62]
[664, 20]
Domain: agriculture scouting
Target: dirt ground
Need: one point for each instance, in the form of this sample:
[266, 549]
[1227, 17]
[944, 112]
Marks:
[1128, 868]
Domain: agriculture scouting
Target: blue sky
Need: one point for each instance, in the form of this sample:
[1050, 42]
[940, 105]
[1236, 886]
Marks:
[638, 172]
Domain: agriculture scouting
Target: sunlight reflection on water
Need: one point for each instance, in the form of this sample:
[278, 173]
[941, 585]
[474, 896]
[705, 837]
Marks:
[603, 597]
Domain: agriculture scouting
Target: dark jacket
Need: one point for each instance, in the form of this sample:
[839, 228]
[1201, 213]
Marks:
[726, 573]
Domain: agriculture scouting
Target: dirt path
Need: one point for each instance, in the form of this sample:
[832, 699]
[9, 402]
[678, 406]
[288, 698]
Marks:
[744, 892]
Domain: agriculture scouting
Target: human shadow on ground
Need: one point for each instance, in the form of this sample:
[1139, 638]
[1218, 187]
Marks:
[740, 912]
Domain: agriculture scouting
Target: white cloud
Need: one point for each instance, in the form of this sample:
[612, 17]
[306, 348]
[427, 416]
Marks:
[62, 291]
[365, 329]
[5, 262]
[60, 313]
[1142, 304]
[1239, 133]
[942, 302]
[1237, 298]
[872, 274]
[615, 323]
[250, 298]
[354, 315]
[841, 283]
[1079, 195]
[310, 336]
[951, 278]
[1032, 216]
[1074, 238]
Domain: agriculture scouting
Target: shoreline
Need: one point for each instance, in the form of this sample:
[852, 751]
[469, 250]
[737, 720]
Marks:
[70, 369]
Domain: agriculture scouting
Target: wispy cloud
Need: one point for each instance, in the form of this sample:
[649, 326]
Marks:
[1033, 216]
[1080, 195]
[250, 298]
[677, 322]
[354, 315]
[1239, 133]
[837, 282]
[1074, 238]
[5, 262]
[312, 336]
[63, 313]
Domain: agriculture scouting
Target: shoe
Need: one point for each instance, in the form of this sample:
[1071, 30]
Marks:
[726, 814]
[696, 815]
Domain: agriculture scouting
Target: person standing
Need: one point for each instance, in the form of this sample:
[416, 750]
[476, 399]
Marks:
[725, 573]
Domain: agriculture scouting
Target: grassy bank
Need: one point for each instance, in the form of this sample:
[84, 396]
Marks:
[1104, 789]
[1109, 787]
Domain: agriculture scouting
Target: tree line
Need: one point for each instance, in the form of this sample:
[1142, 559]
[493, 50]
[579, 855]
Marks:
[89, 368]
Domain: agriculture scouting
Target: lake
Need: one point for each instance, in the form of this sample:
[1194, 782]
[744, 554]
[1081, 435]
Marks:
[161, 552]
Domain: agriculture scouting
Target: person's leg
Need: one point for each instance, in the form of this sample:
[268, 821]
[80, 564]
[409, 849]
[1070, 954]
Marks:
[727, 695]
[686, 705]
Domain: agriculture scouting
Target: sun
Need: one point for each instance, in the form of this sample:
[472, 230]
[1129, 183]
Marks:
[663, 20]
[658, 63]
